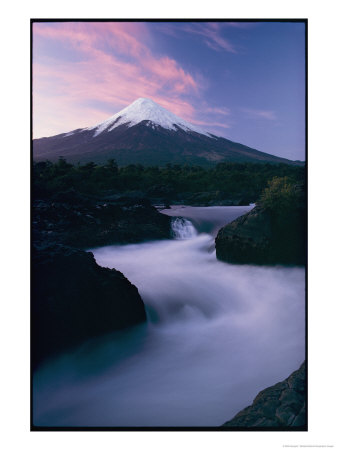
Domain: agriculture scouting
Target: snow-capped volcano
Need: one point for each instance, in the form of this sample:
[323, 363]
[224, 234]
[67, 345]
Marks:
[146, 133]
[146, 109]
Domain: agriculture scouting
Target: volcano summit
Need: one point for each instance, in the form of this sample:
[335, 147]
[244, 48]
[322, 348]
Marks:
[146, 133]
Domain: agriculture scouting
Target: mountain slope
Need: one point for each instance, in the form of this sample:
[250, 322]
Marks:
[146, 133]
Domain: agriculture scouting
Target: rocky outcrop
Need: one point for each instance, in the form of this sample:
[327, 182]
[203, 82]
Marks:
[83, 221]
[258, 237]
[246, 239]
[74, 299]
[279, 406]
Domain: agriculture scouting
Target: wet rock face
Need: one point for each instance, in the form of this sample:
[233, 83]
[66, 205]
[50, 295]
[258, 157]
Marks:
[260, 238]
[74, 299]
[278, 406]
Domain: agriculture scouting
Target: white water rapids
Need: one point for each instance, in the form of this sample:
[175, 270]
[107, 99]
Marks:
[216, 335]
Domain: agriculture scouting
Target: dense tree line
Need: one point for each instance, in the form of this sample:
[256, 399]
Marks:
[224, 181]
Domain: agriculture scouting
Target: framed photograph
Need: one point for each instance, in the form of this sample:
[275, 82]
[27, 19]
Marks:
[169, 224]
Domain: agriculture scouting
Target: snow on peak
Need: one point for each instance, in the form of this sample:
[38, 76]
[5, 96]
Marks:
[146, 109]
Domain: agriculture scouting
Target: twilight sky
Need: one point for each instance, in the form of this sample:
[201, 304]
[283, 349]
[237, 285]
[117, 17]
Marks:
[242, 81]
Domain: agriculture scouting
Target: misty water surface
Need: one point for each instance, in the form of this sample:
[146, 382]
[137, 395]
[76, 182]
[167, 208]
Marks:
[216, 335]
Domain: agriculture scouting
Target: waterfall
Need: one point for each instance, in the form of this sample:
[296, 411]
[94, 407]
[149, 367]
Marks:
[182, 228]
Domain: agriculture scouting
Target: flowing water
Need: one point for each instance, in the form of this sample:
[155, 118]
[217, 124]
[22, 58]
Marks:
[216, 335]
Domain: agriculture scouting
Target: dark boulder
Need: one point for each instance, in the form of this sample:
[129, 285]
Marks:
[246, 239]
[261, 237]
[274, 232]
[74, 299]
[279, 406]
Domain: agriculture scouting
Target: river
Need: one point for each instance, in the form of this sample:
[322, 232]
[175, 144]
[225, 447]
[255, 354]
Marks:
[216, 335]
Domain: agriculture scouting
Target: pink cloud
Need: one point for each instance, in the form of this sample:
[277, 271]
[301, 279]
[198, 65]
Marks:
[168, 69]
[122, 38]
[260, 113]
[212, 124]
[115, 67]
[215, 110]
[212, 34]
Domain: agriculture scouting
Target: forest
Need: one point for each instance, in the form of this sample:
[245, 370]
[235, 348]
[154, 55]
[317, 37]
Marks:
[226, 183]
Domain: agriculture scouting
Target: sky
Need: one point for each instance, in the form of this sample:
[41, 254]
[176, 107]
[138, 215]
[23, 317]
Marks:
[244, 81]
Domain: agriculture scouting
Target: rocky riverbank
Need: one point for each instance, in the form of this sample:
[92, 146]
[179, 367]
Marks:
[279, 406]
[85, 221]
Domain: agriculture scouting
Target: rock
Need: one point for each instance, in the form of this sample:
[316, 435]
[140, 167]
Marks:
[279, 406]
[83, 221]
[74, 299]
[259, 238]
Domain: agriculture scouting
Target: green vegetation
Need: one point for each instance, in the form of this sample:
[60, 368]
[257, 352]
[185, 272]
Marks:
[281, 194]
[241, 181]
